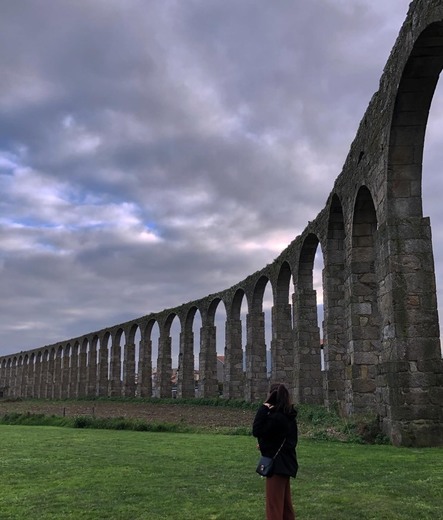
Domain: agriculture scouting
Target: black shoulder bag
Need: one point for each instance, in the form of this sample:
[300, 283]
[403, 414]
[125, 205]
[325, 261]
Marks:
[265, 464]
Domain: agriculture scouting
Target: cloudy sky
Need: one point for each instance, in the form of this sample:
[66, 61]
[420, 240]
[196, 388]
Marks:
[154, 151]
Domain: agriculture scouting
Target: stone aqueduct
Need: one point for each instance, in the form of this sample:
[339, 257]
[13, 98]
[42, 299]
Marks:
[381, 331]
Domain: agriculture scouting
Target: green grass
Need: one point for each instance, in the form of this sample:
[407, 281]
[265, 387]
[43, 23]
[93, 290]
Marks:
[97, 423]
[84, 474]
[315, 421]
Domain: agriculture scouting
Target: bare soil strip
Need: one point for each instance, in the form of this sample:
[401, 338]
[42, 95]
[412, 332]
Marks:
[211, 417]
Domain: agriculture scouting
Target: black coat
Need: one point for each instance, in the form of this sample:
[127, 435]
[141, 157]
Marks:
[271, 427]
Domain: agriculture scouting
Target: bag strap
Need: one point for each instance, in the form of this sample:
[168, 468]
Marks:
[278, 451]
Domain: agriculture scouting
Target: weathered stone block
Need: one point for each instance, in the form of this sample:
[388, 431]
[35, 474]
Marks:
[365, 358]
[336, 385]
[416, 380]
[418, 433]
[363, 385]
[416, 412]
[363, 308]
[436, 396]
[423, 349]
[432, 365]
[415, 396]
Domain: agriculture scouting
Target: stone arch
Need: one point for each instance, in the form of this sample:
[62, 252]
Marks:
[19, 390]
[412, 103]
[28, 376]
[50, 393]
[37, 374]
[144, 374]
[130, 361]
[137, 342]
[9, 378]
[217, 314]
[242, 303]
[23, 374]
[164, 361]
[65, 373]
[103, 365]
[92, 364]
[234, 359]
[44, 377]
[208, 385]
[3, 378]
[281, 289]
[13, 374]
[186, 363]
[24, 382]
[212, 309]
[115, 371]
[268, 305]
[308, 387]
[363, 347]
[282, 347]
[409, 318]
[74, 369]
[196, 325]
[81, 380]
[58, 372]
[175, 333]
[334, 297]
[256, 383]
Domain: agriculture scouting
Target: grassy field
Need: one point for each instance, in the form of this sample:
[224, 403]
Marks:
[71, 474]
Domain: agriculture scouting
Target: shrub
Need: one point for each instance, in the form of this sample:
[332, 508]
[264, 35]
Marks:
[83, 422]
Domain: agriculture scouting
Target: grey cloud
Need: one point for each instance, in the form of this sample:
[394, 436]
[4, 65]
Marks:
[221, 124]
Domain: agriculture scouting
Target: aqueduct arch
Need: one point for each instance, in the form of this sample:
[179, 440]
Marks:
[363, 313]
[381, 330]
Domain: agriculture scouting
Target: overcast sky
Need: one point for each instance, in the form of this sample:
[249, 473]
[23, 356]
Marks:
[152, 152]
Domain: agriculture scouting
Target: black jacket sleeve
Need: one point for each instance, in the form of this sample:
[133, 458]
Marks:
[261, 424]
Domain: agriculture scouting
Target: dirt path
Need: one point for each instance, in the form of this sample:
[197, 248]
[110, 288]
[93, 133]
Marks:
[208, 416]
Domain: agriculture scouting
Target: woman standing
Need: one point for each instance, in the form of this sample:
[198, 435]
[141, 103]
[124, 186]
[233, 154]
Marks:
[275, 426]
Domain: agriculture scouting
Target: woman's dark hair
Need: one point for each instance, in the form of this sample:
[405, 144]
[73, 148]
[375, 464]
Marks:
[279, 398]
